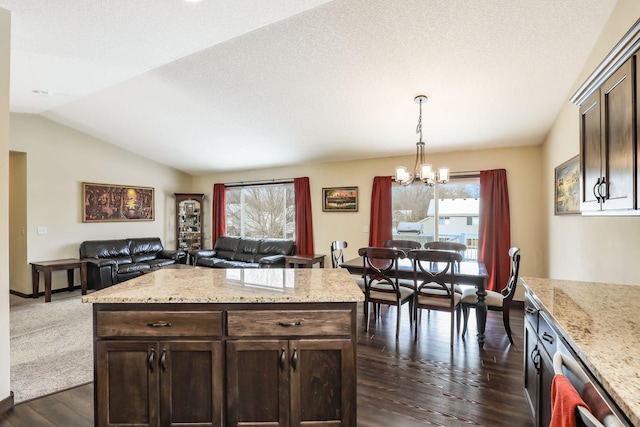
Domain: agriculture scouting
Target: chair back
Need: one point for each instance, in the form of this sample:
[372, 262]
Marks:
[337, 253]
[510, 289]
[446, 246]
[380, 268]
[438, 270]
[405, 245]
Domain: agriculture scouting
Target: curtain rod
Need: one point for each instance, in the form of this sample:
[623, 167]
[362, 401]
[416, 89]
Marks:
[262, 182]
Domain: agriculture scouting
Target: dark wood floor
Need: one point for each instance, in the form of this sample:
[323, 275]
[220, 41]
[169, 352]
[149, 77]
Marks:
[399, 384]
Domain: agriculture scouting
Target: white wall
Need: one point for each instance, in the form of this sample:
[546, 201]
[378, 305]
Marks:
[523, 167]
[59, 159]
[5, 35]
[599, 249]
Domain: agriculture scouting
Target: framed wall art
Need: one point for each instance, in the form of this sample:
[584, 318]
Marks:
[110, 203]
[340, 199]
[567, 187]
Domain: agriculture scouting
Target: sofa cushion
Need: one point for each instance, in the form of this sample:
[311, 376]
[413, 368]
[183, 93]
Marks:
[226, 247]
[132, 268]
[276, 247]
[247, 250]
[143, 257]
[145, 245]
[160, 262]
[104, 249]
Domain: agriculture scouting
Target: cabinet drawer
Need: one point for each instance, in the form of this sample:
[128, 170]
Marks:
[289, 323]
[158, 324]
[547, 335]
[531, 312]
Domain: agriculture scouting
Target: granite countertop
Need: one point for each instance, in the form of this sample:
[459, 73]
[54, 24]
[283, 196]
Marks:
[601, 322]
[219, 285]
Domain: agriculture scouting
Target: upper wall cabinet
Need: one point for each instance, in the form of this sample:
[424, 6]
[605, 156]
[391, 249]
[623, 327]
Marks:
[608, 144]
[608, 132]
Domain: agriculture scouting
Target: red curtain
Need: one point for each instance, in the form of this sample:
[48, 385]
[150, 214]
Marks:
[380, 222]
[495, 227]
[218, 223]
[304, 223]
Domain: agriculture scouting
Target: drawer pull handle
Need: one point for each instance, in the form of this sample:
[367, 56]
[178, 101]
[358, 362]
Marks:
[150, 359]
[548, 338]
[294, 359]
[282, 359]
[159, 324]
[288, 324]
[530, 310]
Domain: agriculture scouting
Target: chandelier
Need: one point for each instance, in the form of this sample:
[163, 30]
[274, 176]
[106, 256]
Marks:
[421, 170]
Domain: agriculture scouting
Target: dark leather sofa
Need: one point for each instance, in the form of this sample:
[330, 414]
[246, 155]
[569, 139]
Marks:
[114, 261]
[244, 252]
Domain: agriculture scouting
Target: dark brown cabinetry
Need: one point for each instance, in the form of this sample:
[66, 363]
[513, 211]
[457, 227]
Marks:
[277, 381]
[540, 346]
[158, 382]
[189, 233]
[608, 144]
[166, 365]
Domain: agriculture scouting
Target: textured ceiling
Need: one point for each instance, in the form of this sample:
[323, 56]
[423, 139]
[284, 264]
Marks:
[244, 84]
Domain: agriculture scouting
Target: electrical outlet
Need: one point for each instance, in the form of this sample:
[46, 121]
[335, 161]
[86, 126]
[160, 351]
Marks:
[42, 230]
[365, 228]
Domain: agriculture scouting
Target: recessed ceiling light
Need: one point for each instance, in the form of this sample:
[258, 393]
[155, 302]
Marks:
[42, 92]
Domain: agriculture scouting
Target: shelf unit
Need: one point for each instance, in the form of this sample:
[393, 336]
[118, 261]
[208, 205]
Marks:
[189, 234]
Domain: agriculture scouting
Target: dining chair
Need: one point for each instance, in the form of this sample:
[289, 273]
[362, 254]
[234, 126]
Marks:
[434, 291]
[405, 245]
[446, 246]
[496, 301]
[337, 252]
[382, 284]
[337, 258]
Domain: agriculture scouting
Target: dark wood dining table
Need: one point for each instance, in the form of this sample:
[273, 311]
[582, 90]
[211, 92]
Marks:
[467, 273]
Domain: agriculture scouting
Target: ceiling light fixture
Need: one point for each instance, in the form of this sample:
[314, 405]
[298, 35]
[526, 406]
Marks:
[421, 170]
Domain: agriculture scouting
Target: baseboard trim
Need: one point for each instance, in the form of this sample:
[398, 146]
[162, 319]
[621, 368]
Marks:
[7, 403]
[54, 291]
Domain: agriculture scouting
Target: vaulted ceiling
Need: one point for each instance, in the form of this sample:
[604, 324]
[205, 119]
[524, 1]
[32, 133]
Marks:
[230, 85]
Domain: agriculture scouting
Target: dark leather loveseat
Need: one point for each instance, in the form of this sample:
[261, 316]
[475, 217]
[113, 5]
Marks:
[114, 261]
[244, 252]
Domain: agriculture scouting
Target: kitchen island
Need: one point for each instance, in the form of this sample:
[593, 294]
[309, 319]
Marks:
[212, 347]
[598, 324]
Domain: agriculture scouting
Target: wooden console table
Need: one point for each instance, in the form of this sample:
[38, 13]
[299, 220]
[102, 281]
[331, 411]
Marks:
[61, 264]
[304, 261]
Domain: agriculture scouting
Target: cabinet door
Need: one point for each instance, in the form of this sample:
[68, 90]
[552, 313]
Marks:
[531, 364]
[322, 379]
[619, 139]
[590, 165]
[190, 383]
[257, 383]
[127, 383]
[546, 377]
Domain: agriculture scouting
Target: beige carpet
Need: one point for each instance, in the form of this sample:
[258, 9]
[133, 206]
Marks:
[51, 345]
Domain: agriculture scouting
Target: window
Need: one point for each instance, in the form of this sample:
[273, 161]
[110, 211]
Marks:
[261, 211]
[445, 212]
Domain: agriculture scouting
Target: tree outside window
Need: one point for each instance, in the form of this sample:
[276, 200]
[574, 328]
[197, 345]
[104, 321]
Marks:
[261, 211]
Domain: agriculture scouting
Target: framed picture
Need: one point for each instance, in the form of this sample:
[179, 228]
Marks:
[340, 199]
[110, 203]
[189, 208]
[567, 187]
